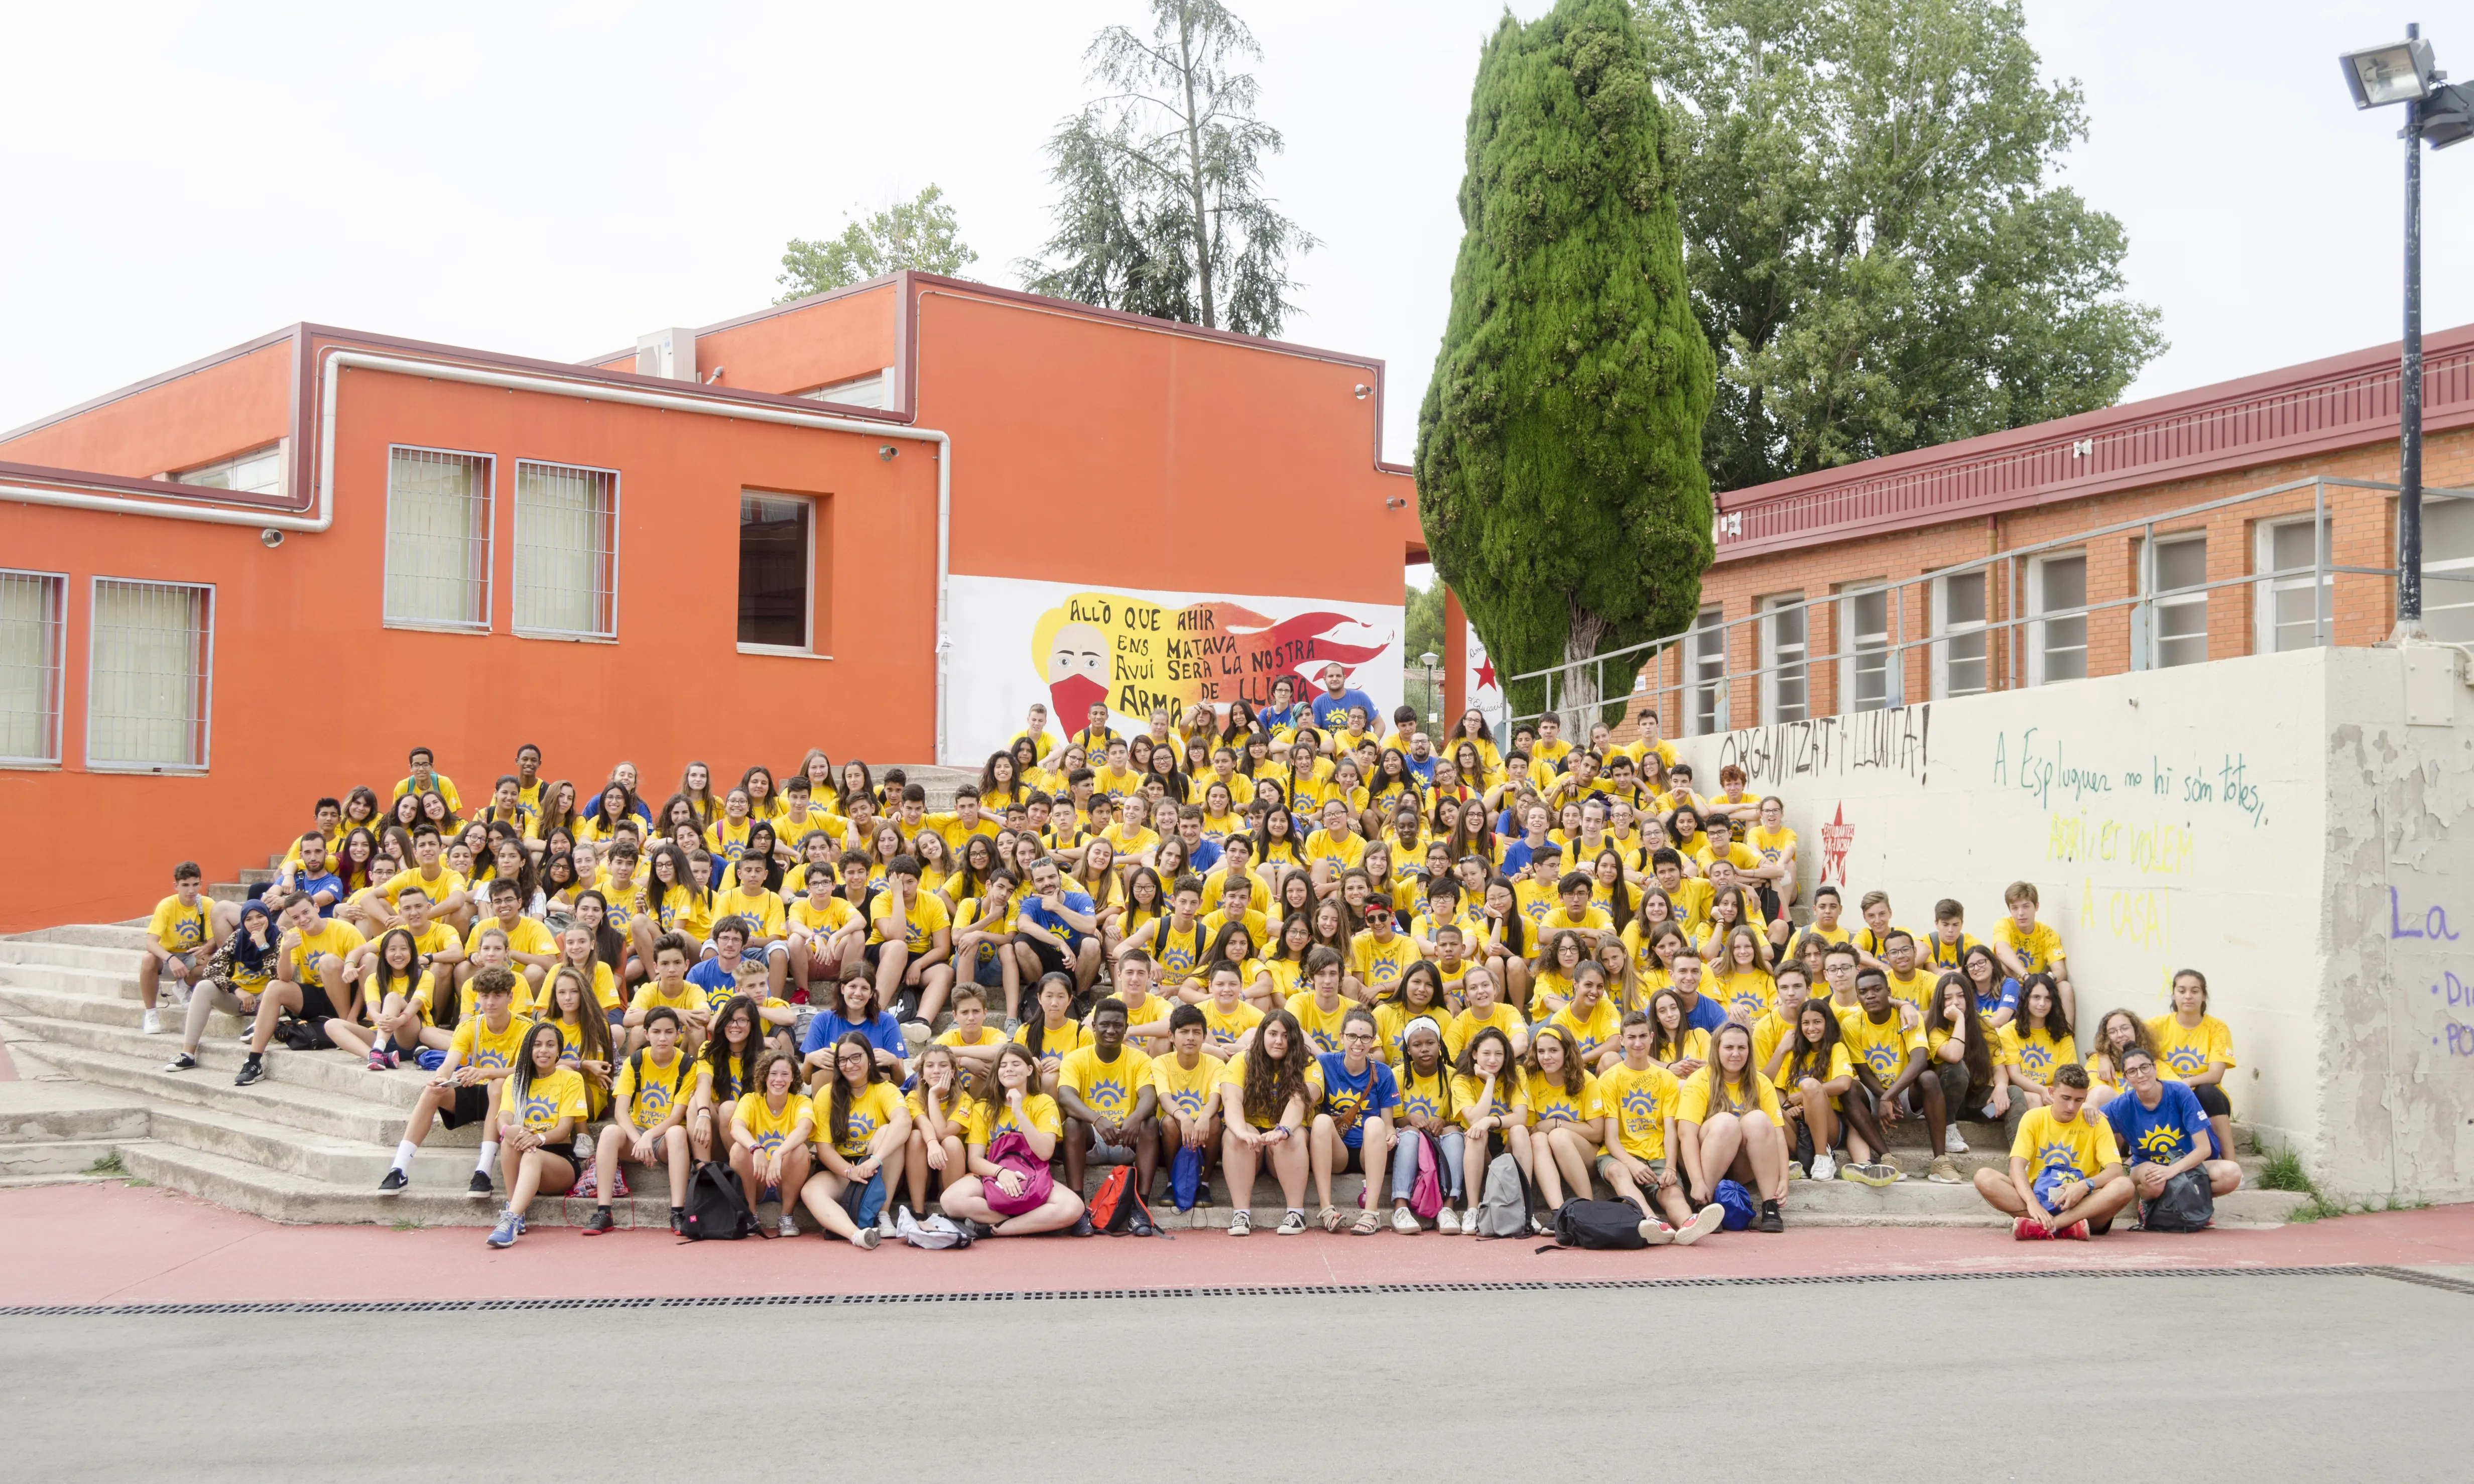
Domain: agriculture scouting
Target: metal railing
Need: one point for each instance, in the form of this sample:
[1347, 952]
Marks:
[1707, 697]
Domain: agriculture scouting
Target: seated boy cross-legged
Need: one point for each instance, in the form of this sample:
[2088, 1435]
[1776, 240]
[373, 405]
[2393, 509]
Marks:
[2065, 1178]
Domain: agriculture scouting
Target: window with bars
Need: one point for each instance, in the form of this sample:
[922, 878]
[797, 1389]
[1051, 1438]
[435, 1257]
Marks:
[567, 550]
[149, 674]
[30, 665]
[1785, 691]
[438, 538]
[1704, 701]
[1864, 624]
[2181, 564]
[2292, 608]
[2448, 547]
[1959, 652]
[258, 472]
[2059, 651]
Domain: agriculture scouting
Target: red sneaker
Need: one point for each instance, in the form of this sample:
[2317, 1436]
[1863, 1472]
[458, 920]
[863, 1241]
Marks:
[2027, 1231]
[2076, 1231]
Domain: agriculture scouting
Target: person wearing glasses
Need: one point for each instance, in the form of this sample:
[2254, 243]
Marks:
[2161, 1129]
[1378, 956]
[1352, 1122]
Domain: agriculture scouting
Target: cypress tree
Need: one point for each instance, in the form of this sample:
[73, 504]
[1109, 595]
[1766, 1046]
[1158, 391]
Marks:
[1559, 445]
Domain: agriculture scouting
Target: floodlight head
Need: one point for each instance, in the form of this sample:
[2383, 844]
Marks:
[2448, 116]
[2399, 72]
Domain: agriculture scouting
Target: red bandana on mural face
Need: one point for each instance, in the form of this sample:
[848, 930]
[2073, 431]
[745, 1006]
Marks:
[1138, 655]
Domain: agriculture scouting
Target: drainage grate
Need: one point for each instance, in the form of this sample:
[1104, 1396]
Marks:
[1259, 1291]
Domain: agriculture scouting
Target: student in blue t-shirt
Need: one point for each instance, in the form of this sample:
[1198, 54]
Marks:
[718, 975]
[856, 1010]
[1352, 1122]
[1701, 1011]
[2163, 1131]
[1997, 994]
[1331, 706]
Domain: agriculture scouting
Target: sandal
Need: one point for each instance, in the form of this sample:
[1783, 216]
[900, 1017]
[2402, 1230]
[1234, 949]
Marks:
[1368, 1224]
[1329, 1218]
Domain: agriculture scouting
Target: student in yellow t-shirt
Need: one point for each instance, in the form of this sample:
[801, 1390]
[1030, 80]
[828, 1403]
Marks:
[2065, 1178]
[1011, 1103]
[1593, 1020]
[1813, 1072]
[939, 1105]
[1727, 1122]
[912, 937]
[648, 1110]
[2040, 1042]
[540, 1109]
[827, 934]
[1105, 1091]
[861, 1126]
[972, 1041]
[312, 954]
[1639, 1098]
[1228, 1017]
[1486, 1109]
[2197, 1049]
[1051, 1034]
[1566, 1121]
[1378, 956]
[176, 935]
[395, 991]
[1424, 1118]
[1894, 1075]
[1483, 1009]
[1185, 1082]
[770, 1128]
[481, 1054]
[1265, 1093]
[2027, 946]
[1320, 1006]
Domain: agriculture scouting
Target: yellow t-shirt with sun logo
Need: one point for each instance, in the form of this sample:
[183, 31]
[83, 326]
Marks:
[1378, 964]
[767, 1128]
[2080, 1148]
[1548, 1100]
[2187, 1050]
[1884, 1047]
[1106, 1087]
[1596, 1032]
[2035, 1054]
[475, 1045]
[870, 1111]
[926, 919]
[985, 1123]
[1320, 1026]
[1185, 1092]
[2036, 949]
[558, 1095]
[179, 929]
[1429, 1095]
[649, 1098]
[1641, 1102]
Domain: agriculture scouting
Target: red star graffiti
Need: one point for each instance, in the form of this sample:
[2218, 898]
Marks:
[1486, 673]
[1835, 838]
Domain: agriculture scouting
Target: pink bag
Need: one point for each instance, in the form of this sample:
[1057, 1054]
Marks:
[1426, 1191]
[1012, 1151]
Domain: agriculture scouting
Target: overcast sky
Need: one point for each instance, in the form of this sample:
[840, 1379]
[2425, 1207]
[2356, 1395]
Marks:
[549, 181]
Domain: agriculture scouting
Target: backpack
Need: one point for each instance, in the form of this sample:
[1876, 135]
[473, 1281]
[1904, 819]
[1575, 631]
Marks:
[1503, 1202]
[1185, 1179]
[1426, 1189]
[716, 1209]
[1012, 1151]
[2188, 1204]
[1597, 1225]
[1117, 1206]
[932, 1233]
[863, 1201]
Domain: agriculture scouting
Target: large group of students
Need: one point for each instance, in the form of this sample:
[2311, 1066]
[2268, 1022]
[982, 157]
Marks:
[1245, 941]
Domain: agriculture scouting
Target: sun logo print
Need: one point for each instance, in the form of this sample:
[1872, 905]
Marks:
[1639, 1110]
[2036, 1061]
[1885, 1061]
[2186, 1060]
[2162, 1144]
[2058, 1157]
[1188, 1103]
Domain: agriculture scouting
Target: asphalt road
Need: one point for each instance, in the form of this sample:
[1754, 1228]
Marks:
[2186, 1378]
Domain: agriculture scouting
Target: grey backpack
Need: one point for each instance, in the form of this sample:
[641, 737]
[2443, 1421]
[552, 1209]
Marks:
[1503, 1202]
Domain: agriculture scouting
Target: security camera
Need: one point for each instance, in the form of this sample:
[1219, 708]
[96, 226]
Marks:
[270, 538]
[886, 453]
[1362, 390]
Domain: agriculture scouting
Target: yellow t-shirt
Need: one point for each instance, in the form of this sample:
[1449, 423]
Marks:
[551, 1098]
[1547, 1098]
[1468, 1090]
[1185, 1092]
[1227, 1026]
[1345, 849]
[1392, 1020]
[726, 840]
[1380, 964]
[1749, 992]
[1057, 1042]
[2187, 1050]
[926, 919]
[330, 936]
[1595, 1034]
[1232, 1073]
[1693, 1103]
[1771, 845]
[2035, 1052]
[178, 927]
[1882, 1047]
[2036, 949]
[1106, 1087]
[527, 936]
[1039, 1110]
[1463, 1027]
[438, 886]
[1641, 1104]
[475, 1045]
[870, 1112]
[1937, 955]
[1430, 1095]
[768, 1129]
[833, 917]
[762, 908]
[649, 1099]
[2082, 1147]
[680, 910]
[649, 995]
[1320, 1026]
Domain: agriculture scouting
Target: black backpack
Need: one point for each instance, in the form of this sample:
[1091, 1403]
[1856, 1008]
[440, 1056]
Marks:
[2187, 1204]
[716, 1209]
[1597, 1224]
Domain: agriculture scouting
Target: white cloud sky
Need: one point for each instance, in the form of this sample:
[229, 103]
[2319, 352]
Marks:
[551, 179]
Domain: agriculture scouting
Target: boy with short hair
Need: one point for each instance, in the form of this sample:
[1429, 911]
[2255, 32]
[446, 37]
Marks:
[912, 937]
[973, 1041]
[1946, 950]
[1104, 1090]
[1378, 956]
[1872, 939]
[649, 1108]
[174, 936]
[668, 989]
[2065, 1178]
[1826, 907]
[312, 956]
[1638, 1164]
[467, 1086]
[2032, 947]
[1892, 1068]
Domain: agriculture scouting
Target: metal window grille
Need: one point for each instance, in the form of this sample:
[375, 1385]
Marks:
[1789, 693]
[2059, 584]
[30, 665]
[1704, 708]
[567, 550]
[258, 472]
[1959, 616]
[1866, 616]
[438, 538]
[2294, 602]
[149, 674]
[2181, 614]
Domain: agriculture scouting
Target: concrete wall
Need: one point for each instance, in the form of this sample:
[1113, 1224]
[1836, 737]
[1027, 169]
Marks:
[2248, 817]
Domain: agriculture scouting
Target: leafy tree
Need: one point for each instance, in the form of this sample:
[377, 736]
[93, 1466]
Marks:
[920, 235]
[1160, 207]
[1424, 630]
[1559, 445]
[1874, 253]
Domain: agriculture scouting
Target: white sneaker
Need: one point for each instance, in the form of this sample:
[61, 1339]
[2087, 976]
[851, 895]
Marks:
[1404, 1222]
[1710, 1218]
[1448, 1221]
[1656, 1232]
[150, 1024]
[787, 1226]
[1823, 1167]
[1951, 1142]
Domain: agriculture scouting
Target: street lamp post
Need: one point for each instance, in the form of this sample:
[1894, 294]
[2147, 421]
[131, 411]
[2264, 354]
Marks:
[2403, 72]
[1434, 705]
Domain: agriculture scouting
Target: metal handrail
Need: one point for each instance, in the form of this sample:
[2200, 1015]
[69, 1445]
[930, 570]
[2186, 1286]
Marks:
[1718, 687]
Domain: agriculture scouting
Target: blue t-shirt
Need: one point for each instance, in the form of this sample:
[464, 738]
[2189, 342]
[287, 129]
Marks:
[719, 983]
[1518, 856]
[1365, 1095]
[2163, 1133]
[1076, 902]
[884, 1032]
[1332, 712]
[313, 884]
[1706, 1014]
[1204, 857]
[2004, 996]
[1424, 767]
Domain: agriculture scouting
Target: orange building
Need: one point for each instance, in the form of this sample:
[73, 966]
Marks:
[880, 520]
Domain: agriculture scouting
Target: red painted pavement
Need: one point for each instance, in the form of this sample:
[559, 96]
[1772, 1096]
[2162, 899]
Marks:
[116, 1243]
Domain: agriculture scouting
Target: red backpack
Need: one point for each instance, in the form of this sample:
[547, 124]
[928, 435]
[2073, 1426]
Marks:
[1117, 1206]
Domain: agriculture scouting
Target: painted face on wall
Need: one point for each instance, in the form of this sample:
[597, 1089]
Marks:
[1077, 669]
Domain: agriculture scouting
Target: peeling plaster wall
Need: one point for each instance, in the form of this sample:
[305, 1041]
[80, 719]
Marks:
[2174, 818]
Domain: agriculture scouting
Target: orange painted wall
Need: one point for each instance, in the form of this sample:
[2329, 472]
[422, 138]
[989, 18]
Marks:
[824, 340]
[225, 408]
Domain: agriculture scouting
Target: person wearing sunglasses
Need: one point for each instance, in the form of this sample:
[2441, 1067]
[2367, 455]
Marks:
[1378, 956]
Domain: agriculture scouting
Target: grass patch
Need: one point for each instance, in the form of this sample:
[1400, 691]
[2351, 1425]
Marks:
[108, 1164]
[2284, 1171]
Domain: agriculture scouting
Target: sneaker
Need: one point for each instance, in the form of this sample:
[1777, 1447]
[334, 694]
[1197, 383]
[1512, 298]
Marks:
[510, 1227]
[1710, 1218]
[254, 1070]
[980, 1231]
[1240, 1222]
[392, 1183]
[1404, 1222]
[599, 1221]
[678, 1222]
[381, 1061]
[1770, 1220]
[2027, 1231]
[1539, 1225]
[1876, 1175]
[1656, 1232]
[1795, 1170]
[1082, 1225]
[864, 1238]
[886, 1226]
[1941, 1172]
[1292, 1224]
[1951, 1142]
[2076, 1231]
[480, 1188]
[1199, 1218]
[1823, 1167]
[184, 1062]
[1890, 1163]
[1141, 1224]
[1448, 1221]
[150, 1024]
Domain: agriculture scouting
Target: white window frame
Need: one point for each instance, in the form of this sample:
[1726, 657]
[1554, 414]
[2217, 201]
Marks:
[1705, 673]
[489, 543]
[225, 468]
[1946, 633]
[1854, 653]
[2039, 630]
[805, 648]
[202, 721]
[2295, 579]
[608, 633]
[1785, 665]
[2163, 599]
[54, 668]
[872, 390]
